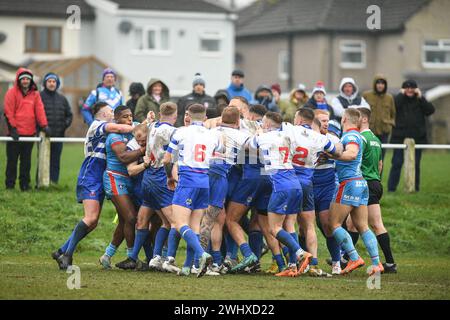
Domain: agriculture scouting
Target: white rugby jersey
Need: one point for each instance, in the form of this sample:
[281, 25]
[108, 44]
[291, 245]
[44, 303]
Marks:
[94, 145]
[233, 141]
[324, 162]
[158, 140]
[249, 126]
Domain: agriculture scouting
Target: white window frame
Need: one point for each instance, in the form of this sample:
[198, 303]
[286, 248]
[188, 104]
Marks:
[158, 50]
[208, 35]
[353, 65]
[282, 75]
[442, 46]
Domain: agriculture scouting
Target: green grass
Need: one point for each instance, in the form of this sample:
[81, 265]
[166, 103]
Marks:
[33, 224]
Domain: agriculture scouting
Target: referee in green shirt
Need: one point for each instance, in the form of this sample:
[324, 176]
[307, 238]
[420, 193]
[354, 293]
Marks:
[371, 167]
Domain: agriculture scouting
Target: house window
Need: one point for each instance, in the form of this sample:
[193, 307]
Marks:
[436, 54]
[283, 65]
[42, 39]
[353, 54]
[152, 39]
[210, 42]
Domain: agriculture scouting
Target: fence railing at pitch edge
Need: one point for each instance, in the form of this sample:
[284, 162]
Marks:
[408, 146]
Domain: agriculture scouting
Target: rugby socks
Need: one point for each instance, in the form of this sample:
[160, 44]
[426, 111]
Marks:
[285, 251]
[285, 238]
[110, 250]
[355, 237]
[255, 240]
[80, 231]
[196, 256]
[334, 249]
[64, 247]
[139, 239]
[189, 257]
[232, 247]
[345, 241]
[148, 249]
[217, 257]
[385, 244]
[191, 239]
[314, 262]
[245, 249]
[370, 241]
[292, 256]
[172, 242]
[280, 262]
[301, 241]
[160, 238]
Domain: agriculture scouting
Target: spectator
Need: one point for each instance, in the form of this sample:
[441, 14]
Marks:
[348, 96]
[105, 91]
[59, 116]
[318, 101]
[136, 91]
[297, 99]
[263, 96]
[276, 93]
[382, 109]
[237, 88]
[410, 122]
[157, 93]
[221, 97]
[198, 95]
[24, 111]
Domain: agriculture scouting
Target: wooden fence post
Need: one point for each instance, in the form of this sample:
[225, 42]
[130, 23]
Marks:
[44, 161]
[410, 165]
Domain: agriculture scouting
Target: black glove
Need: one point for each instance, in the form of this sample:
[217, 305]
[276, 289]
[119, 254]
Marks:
[47, 131]
[14, 134]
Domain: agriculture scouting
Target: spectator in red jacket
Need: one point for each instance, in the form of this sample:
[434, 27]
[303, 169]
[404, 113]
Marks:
[24, 112]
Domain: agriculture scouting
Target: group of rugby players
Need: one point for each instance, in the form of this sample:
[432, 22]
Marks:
[199, 182]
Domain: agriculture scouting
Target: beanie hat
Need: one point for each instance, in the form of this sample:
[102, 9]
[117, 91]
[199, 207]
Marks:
[53, 76]
[198, 79]
[276, 87]
[238, 73]
[409, 84]
[25, 75]
[319, 87]
[301, 87]
[136, 88]
[108, 71]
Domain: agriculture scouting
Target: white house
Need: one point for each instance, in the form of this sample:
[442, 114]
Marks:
[167, 39]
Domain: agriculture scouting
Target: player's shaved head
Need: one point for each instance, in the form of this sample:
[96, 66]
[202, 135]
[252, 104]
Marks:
[306, 114]
[365, 113]
[167, 109]
[258, 109]
[230, 115]
[275, 118]
[197, 112]
[353, 116]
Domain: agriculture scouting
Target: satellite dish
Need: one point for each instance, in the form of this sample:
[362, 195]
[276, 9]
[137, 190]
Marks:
[125, 26]
[2, 37]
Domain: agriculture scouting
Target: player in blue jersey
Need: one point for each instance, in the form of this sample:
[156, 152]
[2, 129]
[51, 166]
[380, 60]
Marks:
[195, 146]
[221, 164]
[275, 146]
[118, 185]
[105, 92]
[352, 196]
[90, 179]
[325, 182]
[308, 145]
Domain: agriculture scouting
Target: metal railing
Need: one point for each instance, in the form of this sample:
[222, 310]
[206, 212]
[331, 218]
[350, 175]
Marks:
[408, 146]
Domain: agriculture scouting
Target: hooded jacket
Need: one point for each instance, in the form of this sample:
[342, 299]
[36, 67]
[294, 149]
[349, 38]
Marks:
[382, 108]
[148, 103]
[57, 109]
[240, 91]
[24, 112]
[342, 102]
[185, 101]
[268, 102]
[410, 118]
[289, 106]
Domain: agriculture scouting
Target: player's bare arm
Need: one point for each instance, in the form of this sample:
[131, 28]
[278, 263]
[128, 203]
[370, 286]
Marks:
[124, 156]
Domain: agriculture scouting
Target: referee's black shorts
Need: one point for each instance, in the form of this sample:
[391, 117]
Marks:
[375, 192]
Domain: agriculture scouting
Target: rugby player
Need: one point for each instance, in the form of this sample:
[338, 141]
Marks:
[90, 179]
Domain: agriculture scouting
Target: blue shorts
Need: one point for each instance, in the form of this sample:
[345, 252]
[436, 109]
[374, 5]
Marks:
[308, 195]
[245, 191]
[234, 176]
[191, 198]
[262, 195]
[90, 191]
[285, 202]
[323, 195]
[218, 189]
[156, 195]
[116, 184]
[352, 192]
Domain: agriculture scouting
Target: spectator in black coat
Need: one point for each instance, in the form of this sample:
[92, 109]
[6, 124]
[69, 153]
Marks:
[59, 116]
[136, 91]
[198, 95]
[410, 122]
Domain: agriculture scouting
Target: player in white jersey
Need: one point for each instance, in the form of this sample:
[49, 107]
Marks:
[195, 147]
[275, 147]
[308, 145]
[221, 164]
[89, 185]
